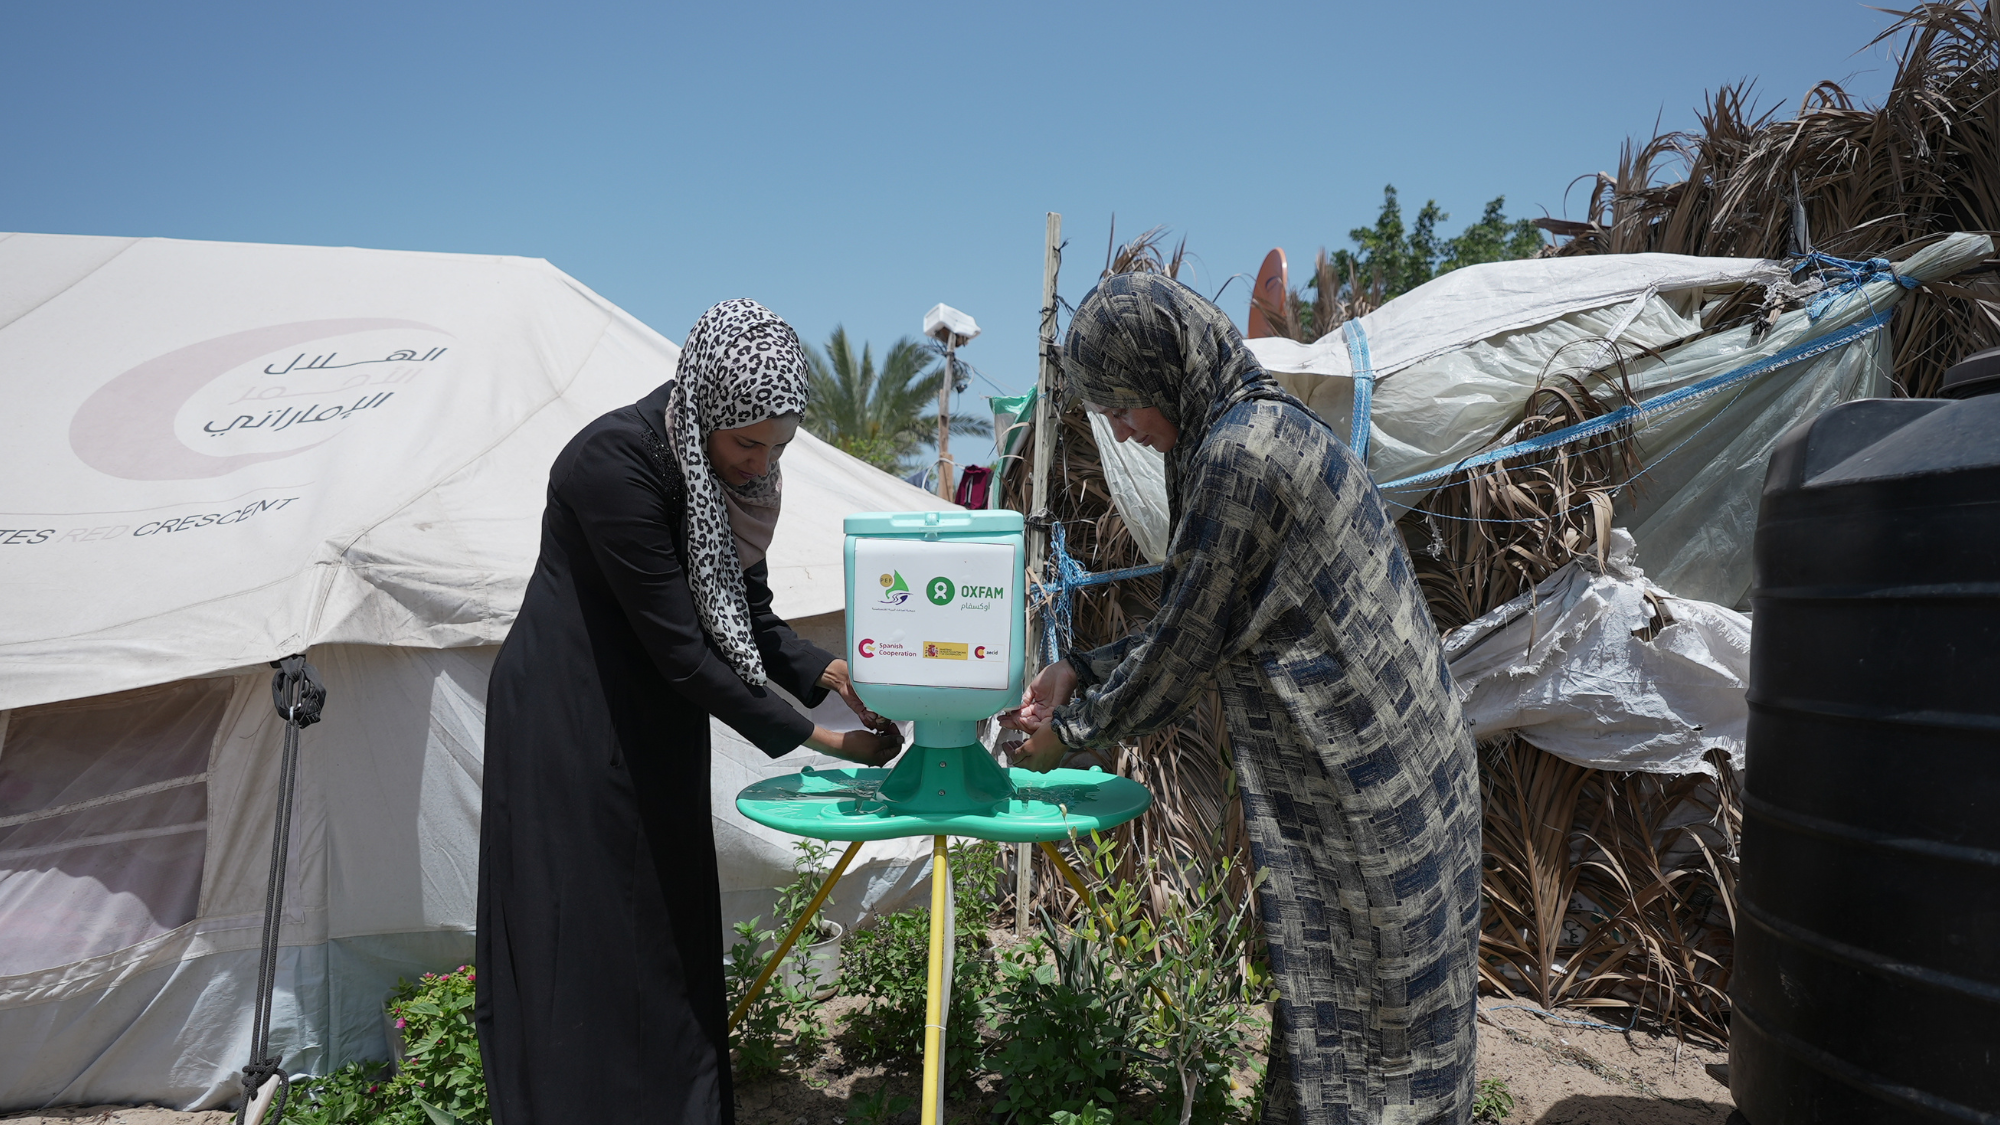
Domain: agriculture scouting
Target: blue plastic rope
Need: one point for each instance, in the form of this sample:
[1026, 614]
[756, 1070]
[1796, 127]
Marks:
[1854, 275]
[1058, 626]
[1363, 369]
[1672, 400]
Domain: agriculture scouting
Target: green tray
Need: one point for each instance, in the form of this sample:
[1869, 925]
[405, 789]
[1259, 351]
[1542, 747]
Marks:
[844, 804]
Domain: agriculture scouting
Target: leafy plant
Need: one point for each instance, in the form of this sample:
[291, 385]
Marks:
[888, 965]
[878, 1107]
[1068, 1023]
[1121, 1007]
[1090, 1114]
[783, 1026]
[440, 1081]
[1204, 986]
[1493, 1102]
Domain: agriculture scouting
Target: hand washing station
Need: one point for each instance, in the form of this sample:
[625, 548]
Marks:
[936, 634]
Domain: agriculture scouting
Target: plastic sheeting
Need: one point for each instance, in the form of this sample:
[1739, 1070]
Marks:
[1454, 390]
[1137, 477]
[1567, 667]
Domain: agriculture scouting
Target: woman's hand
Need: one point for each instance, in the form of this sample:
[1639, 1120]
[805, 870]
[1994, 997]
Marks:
[1050, 689]
[1042, 752]
[862, 747]
[837, 679]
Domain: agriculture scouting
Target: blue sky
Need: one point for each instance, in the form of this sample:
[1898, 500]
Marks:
[855, 163]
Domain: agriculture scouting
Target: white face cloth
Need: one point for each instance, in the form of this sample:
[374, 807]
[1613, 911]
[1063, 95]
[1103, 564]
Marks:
[740, 365]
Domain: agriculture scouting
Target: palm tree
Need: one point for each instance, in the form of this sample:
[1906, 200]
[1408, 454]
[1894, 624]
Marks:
[880, 417]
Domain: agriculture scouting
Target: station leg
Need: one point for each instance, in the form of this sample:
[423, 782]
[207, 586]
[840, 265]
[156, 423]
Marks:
[785, 946]
[935, 999]
[1069, 875]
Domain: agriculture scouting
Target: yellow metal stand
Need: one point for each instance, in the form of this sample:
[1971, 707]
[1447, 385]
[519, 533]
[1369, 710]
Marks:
[935, 1000]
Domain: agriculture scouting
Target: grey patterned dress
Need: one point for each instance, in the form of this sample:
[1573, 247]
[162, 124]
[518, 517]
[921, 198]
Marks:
[1288, 585]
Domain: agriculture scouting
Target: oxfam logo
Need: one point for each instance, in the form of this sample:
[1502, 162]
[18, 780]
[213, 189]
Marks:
[940, 591]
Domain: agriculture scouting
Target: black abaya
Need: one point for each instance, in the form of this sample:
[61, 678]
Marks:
[600, 987]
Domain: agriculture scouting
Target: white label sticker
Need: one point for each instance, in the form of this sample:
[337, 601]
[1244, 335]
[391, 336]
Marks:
[932, 614]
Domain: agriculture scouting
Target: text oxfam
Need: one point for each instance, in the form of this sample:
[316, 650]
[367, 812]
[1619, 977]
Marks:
[995, 592]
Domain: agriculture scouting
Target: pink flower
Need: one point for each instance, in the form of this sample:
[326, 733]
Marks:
[400, 1025]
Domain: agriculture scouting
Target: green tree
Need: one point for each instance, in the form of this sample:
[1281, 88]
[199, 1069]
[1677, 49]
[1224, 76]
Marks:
[883, 416]
[1389, 260]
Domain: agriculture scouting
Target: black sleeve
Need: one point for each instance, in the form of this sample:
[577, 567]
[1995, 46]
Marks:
[792, 662]
[621, 508]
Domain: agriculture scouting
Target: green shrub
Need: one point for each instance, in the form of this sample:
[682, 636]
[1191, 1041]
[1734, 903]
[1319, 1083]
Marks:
[1068, 1022]
[440, 1082]
[1120, 1008]
[783, 1027]
[888, 965]
[1494, 1101]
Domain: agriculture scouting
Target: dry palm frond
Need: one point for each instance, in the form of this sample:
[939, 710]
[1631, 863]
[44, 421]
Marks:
[1866, 182]
[1488, 535]
[1609, 890]
[1142, 255]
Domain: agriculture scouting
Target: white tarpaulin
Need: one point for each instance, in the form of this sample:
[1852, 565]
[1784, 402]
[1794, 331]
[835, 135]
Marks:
[217, 454]
[1604, 669]
[1454, 362]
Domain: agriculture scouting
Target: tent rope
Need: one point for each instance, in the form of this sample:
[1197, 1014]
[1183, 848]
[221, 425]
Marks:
[298, 694]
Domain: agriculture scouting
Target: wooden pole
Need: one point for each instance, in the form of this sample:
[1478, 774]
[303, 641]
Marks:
[944, 420]
[1038, 536]
[1045, 415]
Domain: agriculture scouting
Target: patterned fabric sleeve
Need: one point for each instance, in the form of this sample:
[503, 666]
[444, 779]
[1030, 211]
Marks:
[1094, 666]
[1218, 600]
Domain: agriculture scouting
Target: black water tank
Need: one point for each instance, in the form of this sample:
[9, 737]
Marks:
[1867, 977]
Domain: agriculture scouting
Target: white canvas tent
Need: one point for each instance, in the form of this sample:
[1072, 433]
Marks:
[217, 454]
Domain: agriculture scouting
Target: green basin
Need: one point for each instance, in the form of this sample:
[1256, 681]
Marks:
[846, 804]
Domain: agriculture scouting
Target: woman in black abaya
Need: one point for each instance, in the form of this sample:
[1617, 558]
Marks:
[601, 996]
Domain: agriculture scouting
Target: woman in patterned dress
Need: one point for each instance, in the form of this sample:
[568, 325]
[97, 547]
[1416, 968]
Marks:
[1288, 586]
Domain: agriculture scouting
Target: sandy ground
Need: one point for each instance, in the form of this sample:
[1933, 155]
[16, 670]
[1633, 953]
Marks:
[1559, 1075]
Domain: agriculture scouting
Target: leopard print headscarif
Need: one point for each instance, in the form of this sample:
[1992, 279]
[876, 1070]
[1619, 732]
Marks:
[740, 365]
